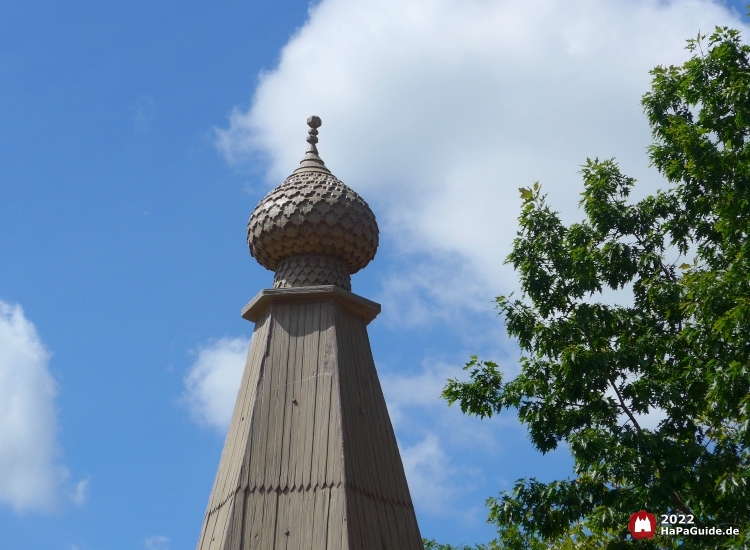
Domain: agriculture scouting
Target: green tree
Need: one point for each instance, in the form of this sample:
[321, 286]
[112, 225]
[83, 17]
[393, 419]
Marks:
[589, 369]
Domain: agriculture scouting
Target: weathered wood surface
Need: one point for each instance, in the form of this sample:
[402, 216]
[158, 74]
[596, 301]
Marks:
[361, 307]
[310, 461]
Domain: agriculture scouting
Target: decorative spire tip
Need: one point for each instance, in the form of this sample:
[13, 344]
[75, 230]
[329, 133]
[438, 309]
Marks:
[314, 123]
[311, 161]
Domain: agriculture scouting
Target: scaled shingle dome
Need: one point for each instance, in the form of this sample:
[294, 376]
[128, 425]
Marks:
[312, 213]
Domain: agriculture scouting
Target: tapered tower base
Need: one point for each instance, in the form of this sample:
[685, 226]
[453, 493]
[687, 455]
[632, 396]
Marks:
[310, 460]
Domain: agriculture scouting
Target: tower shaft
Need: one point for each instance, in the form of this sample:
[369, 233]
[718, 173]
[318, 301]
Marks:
[310, 460]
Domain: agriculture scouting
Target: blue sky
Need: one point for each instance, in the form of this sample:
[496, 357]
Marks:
[139, 136]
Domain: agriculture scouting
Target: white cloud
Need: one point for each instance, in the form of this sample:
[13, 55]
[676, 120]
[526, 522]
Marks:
[434, 289]
[422, 389]
[436, 111]
[430, 433]
[652, 419]
[80, 493]
[213, 381]
[29, 475]
[434, 483]
[158, 542]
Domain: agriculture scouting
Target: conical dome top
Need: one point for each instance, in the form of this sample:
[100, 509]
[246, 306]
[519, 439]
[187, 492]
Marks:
[312, 229]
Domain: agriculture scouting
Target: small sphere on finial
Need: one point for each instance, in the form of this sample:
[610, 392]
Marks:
[314, 122]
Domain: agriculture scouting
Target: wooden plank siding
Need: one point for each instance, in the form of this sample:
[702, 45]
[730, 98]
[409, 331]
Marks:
[310, 461]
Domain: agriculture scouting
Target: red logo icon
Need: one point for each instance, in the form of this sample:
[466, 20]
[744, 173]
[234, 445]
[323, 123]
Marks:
[642, 525]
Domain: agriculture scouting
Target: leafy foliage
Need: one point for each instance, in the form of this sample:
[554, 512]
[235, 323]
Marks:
[590, 369]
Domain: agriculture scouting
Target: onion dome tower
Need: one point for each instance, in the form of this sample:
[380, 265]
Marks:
[310, 460]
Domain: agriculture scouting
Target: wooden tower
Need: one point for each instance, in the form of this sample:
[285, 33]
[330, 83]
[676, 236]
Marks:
[310, 460]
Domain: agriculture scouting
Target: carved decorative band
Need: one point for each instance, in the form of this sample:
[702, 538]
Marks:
[315, 270]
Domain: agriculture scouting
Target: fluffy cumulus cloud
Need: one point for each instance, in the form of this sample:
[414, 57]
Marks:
[440, 479]
[436, 111]
[213, 380]
[29, 475]
[432, 481]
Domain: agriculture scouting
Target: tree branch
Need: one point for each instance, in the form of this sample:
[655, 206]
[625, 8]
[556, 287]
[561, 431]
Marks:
[682, 507]
[676, 500]
[625, 408]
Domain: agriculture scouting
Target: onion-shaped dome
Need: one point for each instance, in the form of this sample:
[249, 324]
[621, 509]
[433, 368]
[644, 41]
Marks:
[312, 229]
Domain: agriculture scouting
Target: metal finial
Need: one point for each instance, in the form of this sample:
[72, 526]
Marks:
[312, 162]
[314, 123]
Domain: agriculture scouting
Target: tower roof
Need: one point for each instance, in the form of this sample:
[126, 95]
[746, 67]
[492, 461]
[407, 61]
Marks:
[313, 213]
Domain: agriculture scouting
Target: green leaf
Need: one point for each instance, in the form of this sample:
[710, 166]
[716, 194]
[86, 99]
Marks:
[526, 194]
